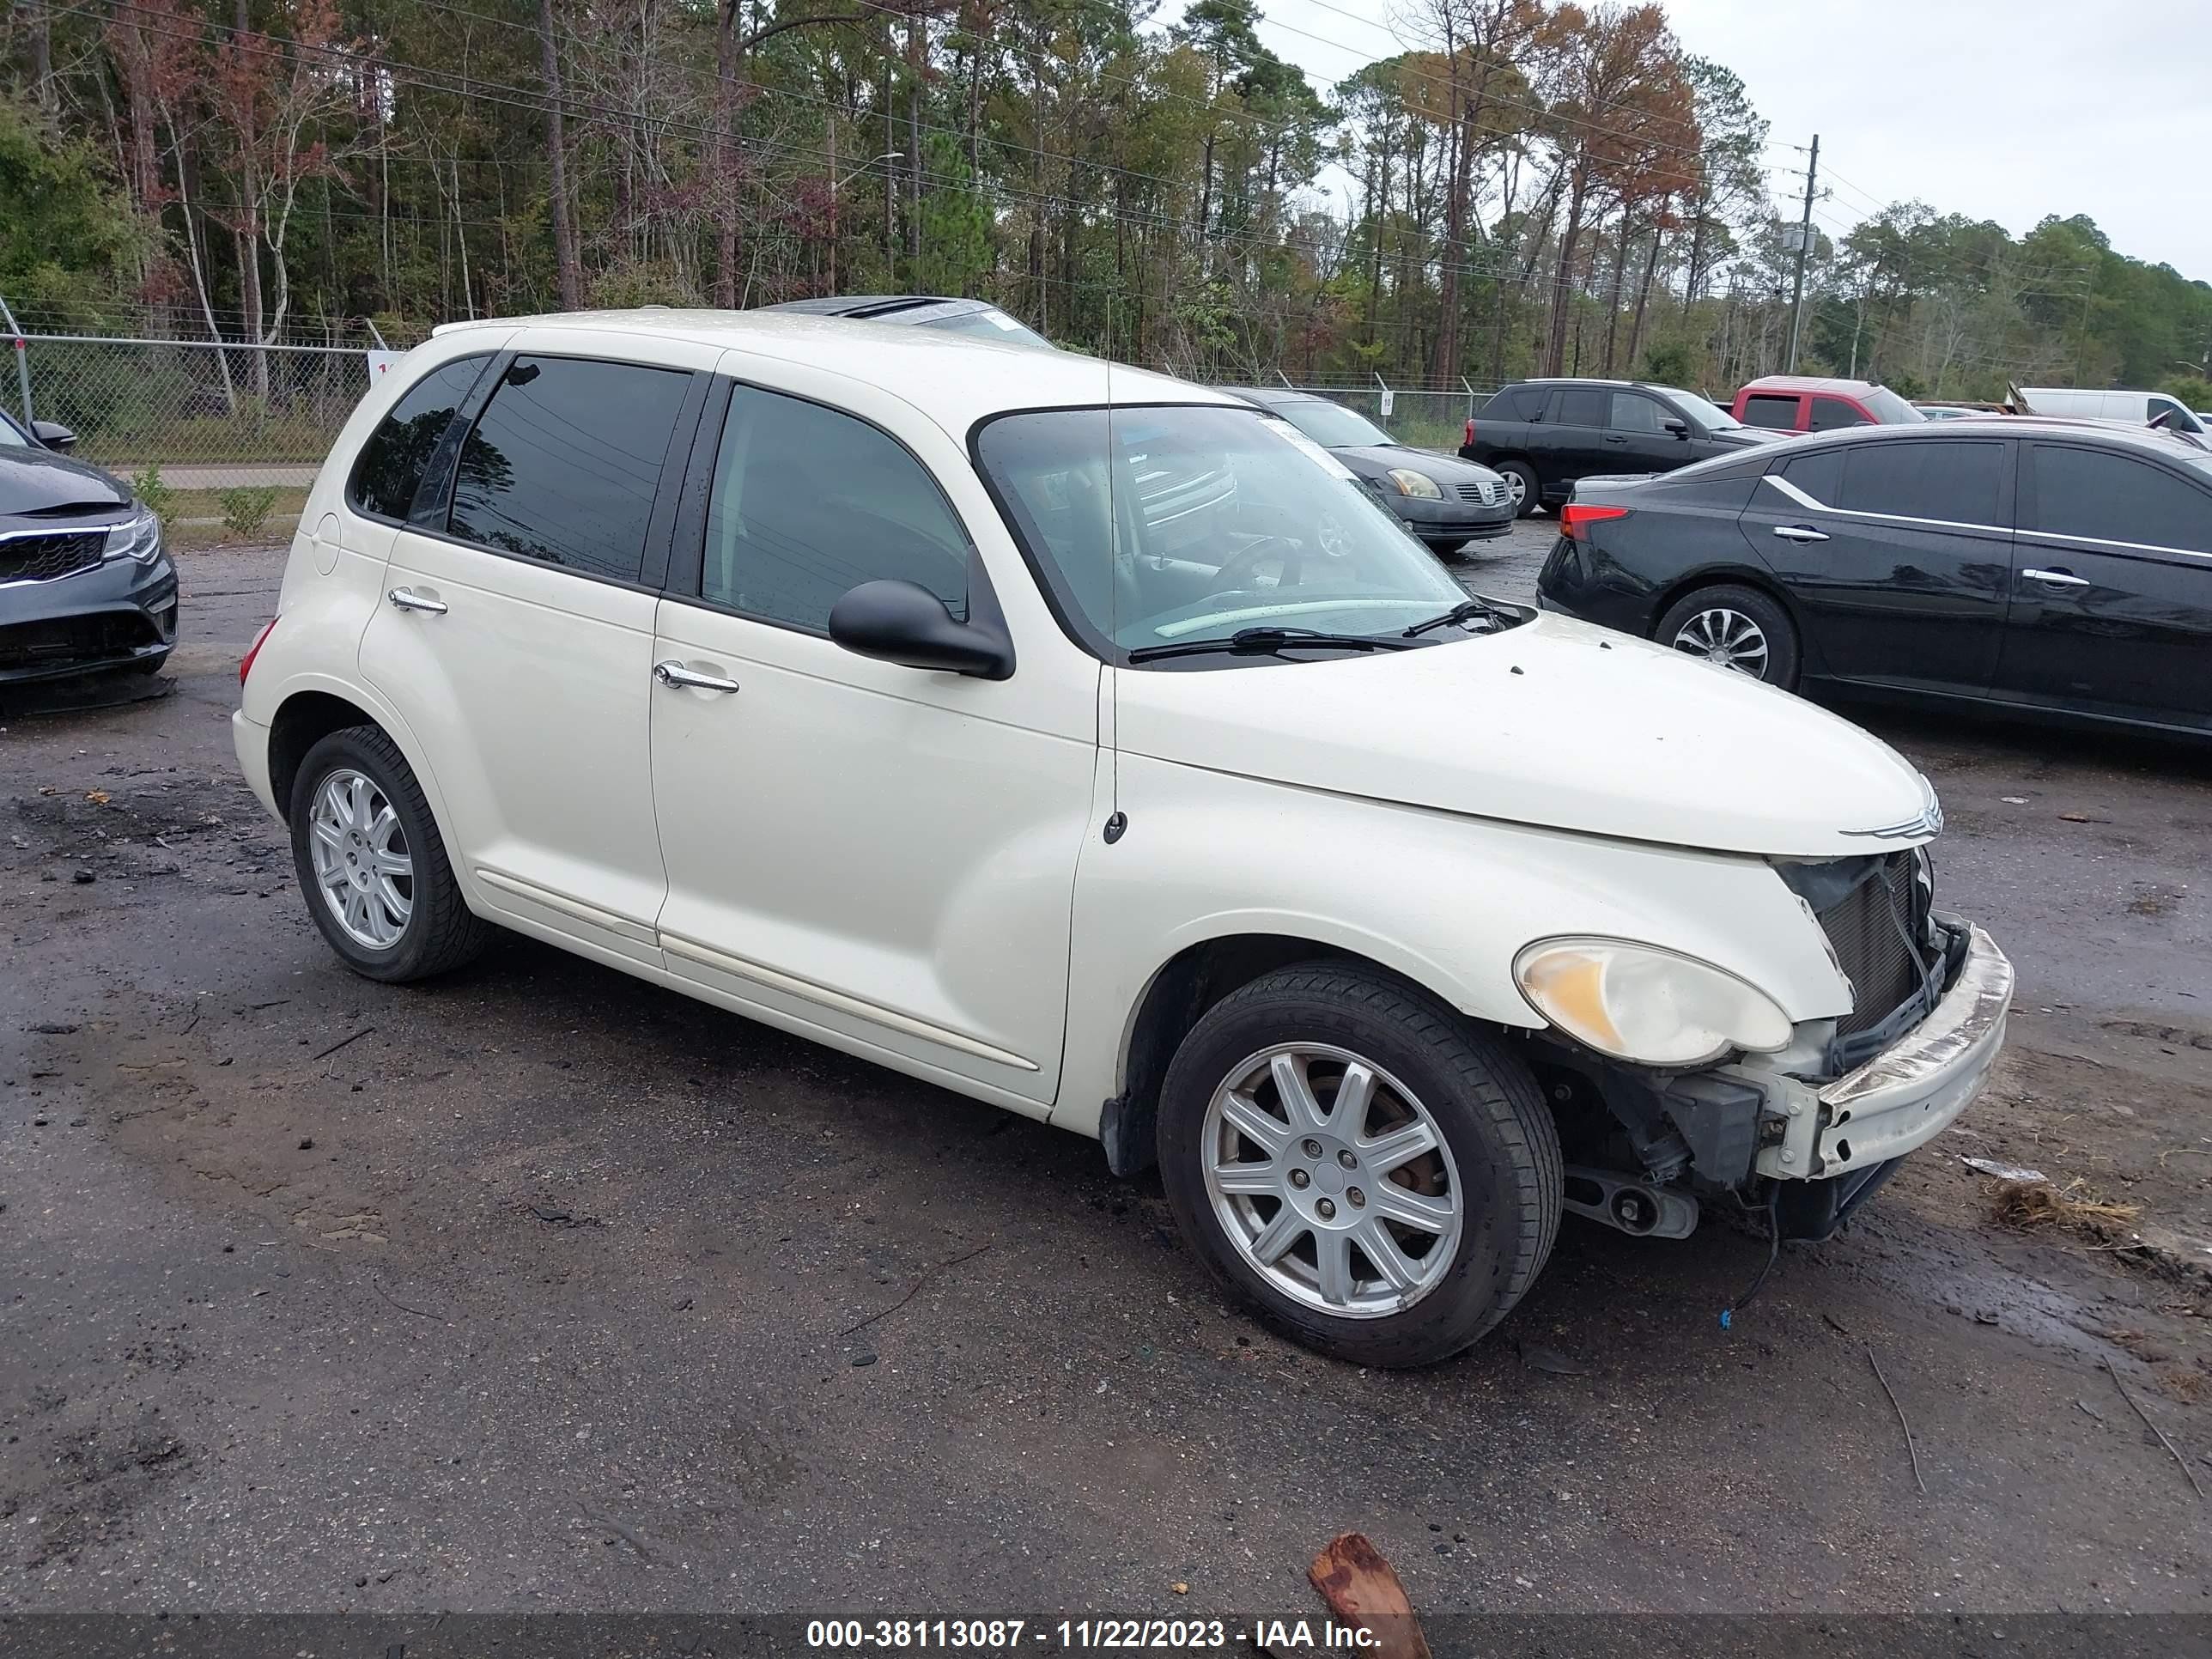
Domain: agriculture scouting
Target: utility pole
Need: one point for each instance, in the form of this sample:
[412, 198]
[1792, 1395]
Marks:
[1804, 248]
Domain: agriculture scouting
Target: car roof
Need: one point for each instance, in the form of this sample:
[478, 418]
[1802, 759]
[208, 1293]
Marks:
[881, 305]
[957, 379]
[2174, 446]
[1810, 383]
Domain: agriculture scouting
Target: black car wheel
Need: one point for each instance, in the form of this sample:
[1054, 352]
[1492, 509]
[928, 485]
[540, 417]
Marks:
[1521, 484]
[1445, 547]
[1738, 628]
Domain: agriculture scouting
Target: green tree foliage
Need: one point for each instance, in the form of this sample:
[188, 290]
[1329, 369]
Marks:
[1527, 184]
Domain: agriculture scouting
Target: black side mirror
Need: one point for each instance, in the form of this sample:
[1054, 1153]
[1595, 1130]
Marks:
[52, 435]
[906, 624]
[1678, 426]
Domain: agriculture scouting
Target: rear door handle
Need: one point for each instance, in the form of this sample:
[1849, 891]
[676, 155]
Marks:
[408, 599]
[2065, 579]
[675, 673]
[1799, 532]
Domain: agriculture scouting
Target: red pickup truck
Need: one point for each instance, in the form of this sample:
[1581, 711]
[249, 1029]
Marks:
[1801, 403]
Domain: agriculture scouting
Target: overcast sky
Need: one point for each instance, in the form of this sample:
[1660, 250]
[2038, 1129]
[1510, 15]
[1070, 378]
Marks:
[1997, 109]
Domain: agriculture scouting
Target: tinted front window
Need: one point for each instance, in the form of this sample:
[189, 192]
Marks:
[809, 504]
[1332, 425]
[1830, 414]
[1951, 480]
[1702, 411]
[1768, 410]
[2092, 492]
[1158, 525]
[564, 461]
[390, 470]
[1632, 412]
[1583, 406]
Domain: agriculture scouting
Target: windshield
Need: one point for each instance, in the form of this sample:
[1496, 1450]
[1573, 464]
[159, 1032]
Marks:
[1173, 524]
[1705, 412]
[990, 324]
[1888, 408]
[1330, 425]
[10, 437]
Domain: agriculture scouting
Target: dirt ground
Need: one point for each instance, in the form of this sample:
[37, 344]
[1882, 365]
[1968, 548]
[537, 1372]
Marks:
[541, 1288]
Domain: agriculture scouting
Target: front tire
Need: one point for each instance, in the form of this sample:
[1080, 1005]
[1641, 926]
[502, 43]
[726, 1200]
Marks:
[372, 864]
[1379, 1180]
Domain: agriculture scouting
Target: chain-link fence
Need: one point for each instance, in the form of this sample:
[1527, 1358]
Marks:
[207, 417]
[1426, 420]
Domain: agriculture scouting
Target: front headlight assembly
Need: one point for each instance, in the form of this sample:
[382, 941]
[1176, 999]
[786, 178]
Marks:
[138, 536]
[1416, 483]
[1640, 1003]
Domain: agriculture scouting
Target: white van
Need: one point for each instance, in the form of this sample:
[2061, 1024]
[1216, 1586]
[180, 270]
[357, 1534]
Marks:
[2137, 408]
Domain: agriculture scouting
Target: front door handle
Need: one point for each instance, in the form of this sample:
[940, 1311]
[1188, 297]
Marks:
[1799, 532]
[2065, 579]
[408, 599]
[1611, 440]
[675, 673]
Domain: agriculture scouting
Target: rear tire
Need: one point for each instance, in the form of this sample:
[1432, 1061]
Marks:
[1452, 1145]
[1736, 628]
[1520, 481]
[372, 865]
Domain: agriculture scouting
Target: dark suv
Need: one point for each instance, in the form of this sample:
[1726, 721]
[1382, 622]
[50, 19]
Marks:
[1543, 435]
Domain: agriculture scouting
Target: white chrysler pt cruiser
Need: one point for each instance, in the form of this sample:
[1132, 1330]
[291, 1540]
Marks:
[1094, 744]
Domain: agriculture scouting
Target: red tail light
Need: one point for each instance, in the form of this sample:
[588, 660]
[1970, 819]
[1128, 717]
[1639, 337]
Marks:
[1469, 439]
[1576, 518]
[246, 662]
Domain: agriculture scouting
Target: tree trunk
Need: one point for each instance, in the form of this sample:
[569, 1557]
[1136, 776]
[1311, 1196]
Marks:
[568, 268]
[42, 57]
[1644, 289]
[1555, 352]
[1613, 299]
[917, 70]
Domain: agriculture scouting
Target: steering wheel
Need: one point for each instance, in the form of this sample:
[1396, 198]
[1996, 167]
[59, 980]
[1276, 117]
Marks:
[1237, 571]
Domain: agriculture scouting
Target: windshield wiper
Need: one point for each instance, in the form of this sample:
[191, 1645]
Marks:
[1264, 641]
[1465, 612]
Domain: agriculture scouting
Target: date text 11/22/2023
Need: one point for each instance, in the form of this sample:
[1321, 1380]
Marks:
[1012, 1635]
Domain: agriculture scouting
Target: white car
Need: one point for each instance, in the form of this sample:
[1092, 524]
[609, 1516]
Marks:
[841, 675]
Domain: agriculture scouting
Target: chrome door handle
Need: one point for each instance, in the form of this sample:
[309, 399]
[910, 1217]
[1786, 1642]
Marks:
[1799, 532]
[408, 599]
[2055, 578]
[675, 673]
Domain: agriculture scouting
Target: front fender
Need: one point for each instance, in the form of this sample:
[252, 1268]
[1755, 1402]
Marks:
[1444, 899]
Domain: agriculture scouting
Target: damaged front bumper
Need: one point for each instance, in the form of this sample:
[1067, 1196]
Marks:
[1903, 1096]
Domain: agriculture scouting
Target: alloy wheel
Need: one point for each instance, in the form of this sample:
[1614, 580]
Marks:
[1517, 487]
[1332, 1180]
[1726, 639]
[363, 864]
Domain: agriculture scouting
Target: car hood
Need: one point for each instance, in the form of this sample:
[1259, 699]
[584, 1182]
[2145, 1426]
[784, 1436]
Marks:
[1744, 437]
[1374, 461]
[39, 481]
[1555, 723]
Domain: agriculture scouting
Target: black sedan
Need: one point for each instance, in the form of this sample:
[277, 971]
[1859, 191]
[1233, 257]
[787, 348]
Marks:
[84, 581]
[2059, 568]
[1445, 502]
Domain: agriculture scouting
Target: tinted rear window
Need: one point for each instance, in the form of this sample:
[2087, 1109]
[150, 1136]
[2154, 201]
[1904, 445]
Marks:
[1765, 408]
[564, 462]
[2094, 493]
[1954, 482]
[390, 470]
[1584, 405]
[1522, 402]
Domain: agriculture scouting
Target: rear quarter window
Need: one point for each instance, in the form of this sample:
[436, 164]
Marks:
[1778, 412]
[389, 470]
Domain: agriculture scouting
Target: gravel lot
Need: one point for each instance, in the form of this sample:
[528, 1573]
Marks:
[541, 1288]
